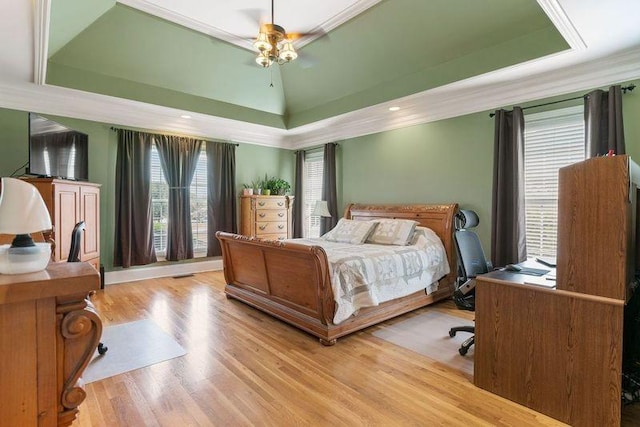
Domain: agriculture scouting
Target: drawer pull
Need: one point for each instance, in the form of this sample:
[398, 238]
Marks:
[261, 215]
[280, 214]
[262, 227]
[280, 203]
[281, 226]
[261, 203]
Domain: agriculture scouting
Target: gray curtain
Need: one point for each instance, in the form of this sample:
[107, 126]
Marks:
[329, 188]
[133, 243]
[298, 203]
[179, 158]
[603, 126]
[508, 238]
[221, 189]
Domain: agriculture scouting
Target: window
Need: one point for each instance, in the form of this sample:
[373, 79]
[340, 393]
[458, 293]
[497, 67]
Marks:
[160, 204]
[312, 191]
[553, 139]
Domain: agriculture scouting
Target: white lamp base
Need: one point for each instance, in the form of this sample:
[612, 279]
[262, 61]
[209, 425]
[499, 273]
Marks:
[19, 263]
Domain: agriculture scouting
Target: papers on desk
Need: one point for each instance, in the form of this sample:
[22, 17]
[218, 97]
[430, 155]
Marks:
[546, 281]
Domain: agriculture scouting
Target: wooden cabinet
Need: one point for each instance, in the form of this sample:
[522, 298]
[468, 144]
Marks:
[267, 217]
[48, 333]
[70, 202]
[559, 351]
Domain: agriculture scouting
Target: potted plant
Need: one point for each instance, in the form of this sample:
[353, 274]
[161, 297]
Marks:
[247, 190]
[257, 187]
[280, 186]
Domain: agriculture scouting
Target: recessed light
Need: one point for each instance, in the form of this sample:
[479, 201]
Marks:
[394, 108]
[185, 116]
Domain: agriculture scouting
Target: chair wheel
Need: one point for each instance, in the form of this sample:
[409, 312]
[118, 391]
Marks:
[463, 351]
[102, 349]
[452, 333]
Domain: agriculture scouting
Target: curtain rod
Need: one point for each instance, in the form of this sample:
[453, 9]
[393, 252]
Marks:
[317, 147]
[629, 88]
[202, 139]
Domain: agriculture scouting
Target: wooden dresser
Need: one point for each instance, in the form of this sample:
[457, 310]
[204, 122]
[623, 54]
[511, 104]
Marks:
[70, 202]
[48, 333]
[267, 217]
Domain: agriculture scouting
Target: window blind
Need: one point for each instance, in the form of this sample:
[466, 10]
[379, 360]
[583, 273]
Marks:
[160, 204]
[553, 139]
[312, 190]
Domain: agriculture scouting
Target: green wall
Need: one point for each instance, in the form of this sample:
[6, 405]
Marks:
[444, 162]
[251, 162]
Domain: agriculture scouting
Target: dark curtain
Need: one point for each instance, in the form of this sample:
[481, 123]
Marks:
[298, 203]
[221, 197]
[603, 126]
[508, 238]
[329, 188]
[179, 158]
[134, 224]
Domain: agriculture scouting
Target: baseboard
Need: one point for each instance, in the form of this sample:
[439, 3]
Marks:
[133, 274]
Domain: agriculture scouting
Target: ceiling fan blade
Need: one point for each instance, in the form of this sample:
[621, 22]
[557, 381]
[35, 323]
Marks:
[315, 33]
[256, 16]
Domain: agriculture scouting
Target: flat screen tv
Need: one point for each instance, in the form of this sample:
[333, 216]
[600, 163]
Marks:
[57, 151]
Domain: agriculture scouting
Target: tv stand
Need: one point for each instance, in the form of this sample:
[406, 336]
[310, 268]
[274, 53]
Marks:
[70, 202]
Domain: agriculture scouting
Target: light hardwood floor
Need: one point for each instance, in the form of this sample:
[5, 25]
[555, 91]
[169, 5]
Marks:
[246, 368]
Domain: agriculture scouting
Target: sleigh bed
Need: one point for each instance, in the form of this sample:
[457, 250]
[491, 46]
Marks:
[291, 281]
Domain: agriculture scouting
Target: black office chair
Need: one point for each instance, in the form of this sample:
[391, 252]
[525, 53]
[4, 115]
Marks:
[471, 262]
[74, 256]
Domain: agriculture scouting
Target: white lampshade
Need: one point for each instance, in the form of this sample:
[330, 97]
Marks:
[262, 42]
[288, 53]
[22, 210]
[321, 209]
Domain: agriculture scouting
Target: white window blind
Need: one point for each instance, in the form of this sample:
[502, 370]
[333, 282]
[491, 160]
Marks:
[553, 139]
[312, 190]
[160, 205]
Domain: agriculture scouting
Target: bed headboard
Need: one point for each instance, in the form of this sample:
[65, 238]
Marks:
[439, 218]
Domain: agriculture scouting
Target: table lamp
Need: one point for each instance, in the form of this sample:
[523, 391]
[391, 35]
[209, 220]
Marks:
[321, 209]
[22, 211]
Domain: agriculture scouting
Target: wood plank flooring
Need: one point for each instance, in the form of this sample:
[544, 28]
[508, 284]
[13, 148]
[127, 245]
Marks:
[247, 368]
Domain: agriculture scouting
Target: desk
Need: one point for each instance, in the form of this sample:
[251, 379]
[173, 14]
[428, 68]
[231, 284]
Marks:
[554, 351]
[48, 333]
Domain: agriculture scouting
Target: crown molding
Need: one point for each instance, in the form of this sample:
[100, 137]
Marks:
[170, 15]
[563, 23]
[42, 16]
[349, 13]
[60, 101]
[481, 93]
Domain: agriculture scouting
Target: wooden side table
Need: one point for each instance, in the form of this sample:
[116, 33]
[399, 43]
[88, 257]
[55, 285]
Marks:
[49, 331]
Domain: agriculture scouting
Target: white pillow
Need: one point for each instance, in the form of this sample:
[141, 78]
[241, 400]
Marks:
[393, 232]
[350, 231]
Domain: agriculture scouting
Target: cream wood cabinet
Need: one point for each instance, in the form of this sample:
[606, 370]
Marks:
[70, 202]
[267, 217]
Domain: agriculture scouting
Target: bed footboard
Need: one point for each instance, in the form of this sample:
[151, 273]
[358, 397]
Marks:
[287, 280]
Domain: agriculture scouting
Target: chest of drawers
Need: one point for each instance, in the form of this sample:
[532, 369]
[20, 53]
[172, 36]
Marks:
[267, 217]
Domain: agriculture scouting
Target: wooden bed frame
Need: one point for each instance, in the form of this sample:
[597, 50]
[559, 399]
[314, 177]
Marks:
[291, 281]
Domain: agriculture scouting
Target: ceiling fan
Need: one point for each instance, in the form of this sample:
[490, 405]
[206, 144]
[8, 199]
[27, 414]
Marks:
[274, 44]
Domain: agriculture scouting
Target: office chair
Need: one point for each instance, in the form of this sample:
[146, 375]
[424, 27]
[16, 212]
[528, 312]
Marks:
[471, 262]
[74, 256]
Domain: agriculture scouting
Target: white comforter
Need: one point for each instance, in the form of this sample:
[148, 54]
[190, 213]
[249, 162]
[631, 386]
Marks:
[367, 275]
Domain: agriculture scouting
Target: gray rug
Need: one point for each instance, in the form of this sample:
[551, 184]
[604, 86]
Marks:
[428, 334]
[131, 346]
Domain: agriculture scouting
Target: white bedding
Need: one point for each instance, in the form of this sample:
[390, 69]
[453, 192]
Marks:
[366, 275]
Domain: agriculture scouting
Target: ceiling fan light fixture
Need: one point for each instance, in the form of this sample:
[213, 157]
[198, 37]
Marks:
[262, 42]
[263, 59]
[287, 53]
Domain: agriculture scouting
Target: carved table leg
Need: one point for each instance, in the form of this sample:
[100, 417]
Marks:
[79, 334]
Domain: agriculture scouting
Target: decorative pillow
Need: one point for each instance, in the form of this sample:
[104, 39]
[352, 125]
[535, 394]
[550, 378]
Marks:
[393, 232]
[350, 231]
